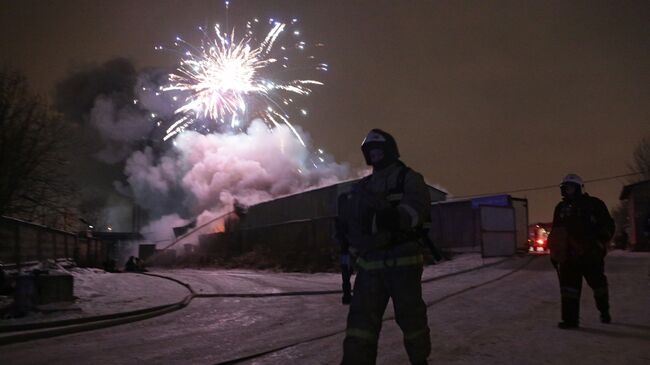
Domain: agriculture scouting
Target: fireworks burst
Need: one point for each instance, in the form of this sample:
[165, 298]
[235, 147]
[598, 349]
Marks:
[232, 80]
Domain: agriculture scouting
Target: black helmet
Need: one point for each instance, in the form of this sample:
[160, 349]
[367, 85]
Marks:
[377, 138]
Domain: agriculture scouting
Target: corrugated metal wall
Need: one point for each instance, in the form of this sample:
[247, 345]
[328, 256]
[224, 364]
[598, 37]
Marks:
[298, 245]
[313, 204]
[454, 226]
[22, 242]
[297, 230]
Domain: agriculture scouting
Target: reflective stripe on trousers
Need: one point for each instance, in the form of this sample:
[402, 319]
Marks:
[372, 291]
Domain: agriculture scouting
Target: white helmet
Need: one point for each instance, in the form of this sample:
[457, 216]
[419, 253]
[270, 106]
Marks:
[574, 179]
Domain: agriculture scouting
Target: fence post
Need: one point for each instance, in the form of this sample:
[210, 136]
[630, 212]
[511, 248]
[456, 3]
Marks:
[17, 246]
[53, 235]
[65, 246]
[88, 247]
[75, 250]
[96, 256]
[39, 250]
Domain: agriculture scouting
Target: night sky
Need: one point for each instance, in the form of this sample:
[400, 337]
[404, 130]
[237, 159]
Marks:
[482, 96]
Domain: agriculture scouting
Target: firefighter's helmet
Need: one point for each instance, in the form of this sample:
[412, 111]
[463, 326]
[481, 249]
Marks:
[377, 138]
[573, 179]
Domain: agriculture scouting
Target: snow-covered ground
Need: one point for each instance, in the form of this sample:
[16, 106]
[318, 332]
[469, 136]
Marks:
[502, 314]
[210, 281]
[99, 292]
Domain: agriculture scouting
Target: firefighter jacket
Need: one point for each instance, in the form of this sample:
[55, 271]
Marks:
[383, 212]
[581, 226]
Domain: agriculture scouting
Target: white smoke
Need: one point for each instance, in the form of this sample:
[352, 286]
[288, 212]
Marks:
[205, 174]
[160, 232]
[199, 176]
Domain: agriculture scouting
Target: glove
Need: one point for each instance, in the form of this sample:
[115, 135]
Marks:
[388, 219]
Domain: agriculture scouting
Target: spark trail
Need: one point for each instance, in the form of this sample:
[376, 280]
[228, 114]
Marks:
[232, 80]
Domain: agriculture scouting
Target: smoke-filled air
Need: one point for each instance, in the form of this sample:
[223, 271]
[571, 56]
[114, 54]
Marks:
[221, 126]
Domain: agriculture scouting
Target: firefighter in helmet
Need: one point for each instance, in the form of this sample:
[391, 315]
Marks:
[379, 221]
[582, 228]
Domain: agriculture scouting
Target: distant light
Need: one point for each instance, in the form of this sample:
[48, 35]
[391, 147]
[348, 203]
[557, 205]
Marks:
[303, 111]
[296, 32]
[91, 227]
[110, 228]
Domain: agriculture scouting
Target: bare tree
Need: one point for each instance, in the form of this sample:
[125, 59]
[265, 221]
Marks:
[33, 184]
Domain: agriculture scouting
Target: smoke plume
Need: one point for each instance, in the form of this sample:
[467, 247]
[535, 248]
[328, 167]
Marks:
[203, 175]
[195, 176]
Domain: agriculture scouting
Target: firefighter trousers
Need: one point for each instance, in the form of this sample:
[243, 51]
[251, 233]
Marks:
[372, 289]
[570, 274]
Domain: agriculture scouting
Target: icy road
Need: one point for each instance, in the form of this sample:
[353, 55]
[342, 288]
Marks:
[505, 313]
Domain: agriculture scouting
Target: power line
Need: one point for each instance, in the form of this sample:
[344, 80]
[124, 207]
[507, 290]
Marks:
[554, 186]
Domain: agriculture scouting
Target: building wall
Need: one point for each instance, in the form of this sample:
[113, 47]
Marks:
[312, 204]
[306, 245]
[22, 242]
[521, 219]
[455, 225]
[295, 232]
[639, 214]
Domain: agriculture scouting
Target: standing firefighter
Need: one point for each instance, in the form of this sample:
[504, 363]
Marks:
[380, 221]
[582, 227]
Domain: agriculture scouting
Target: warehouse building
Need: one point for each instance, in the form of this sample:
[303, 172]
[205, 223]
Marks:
[295, 231]
[638, 198]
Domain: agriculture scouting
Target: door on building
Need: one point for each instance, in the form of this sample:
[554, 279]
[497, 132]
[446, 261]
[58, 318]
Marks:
[498, 230]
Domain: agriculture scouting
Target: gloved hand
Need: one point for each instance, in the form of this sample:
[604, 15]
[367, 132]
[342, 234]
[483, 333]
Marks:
[388, 219]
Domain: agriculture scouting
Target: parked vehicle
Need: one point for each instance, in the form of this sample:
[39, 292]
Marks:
[538, 238]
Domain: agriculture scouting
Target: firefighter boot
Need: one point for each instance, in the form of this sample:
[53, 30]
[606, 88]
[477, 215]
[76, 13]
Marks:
[567, 325]
[605, 317]
[601, 296]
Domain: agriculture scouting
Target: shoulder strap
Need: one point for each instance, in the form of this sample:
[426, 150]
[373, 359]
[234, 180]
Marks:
[399, 183]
